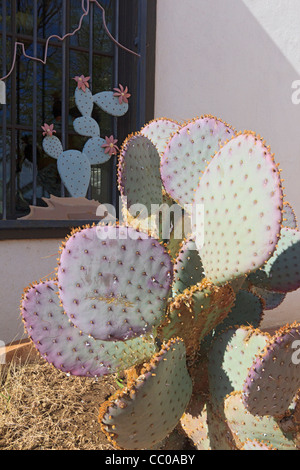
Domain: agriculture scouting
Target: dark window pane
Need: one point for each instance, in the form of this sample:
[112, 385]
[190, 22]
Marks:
[7, 9]
[7, 82]
[103, 81]
[30, 173]
[79, 64]
[5, 142]
[50, 18]
[48, 181]
[82, 38]
[24, 17]
[49, 89]
[102, 42]
[24, 84]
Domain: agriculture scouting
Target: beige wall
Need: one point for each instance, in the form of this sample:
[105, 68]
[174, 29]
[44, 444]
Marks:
[237, 60]
[216, 57]
[22, 262]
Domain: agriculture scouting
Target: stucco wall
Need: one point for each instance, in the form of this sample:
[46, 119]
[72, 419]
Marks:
[22, 262]
[237, 60]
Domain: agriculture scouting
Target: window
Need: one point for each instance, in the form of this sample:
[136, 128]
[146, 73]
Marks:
[37, 94]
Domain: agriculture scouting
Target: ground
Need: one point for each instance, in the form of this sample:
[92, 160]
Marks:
[43, 409]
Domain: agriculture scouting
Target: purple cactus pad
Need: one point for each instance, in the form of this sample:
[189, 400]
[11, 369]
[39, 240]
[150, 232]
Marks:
[68, 349]
[274, 378]
[114, 282]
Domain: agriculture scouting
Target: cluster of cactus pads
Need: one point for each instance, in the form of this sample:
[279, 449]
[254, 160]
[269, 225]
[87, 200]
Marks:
[74, 166]
[181, 315]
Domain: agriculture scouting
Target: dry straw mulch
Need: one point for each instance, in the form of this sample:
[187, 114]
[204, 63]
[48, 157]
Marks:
[42, 408]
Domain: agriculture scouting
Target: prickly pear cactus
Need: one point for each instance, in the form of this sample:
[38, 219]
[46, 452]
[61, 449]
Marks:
[188, 153]
[180, 316]
[274, 378]
[74, 167]
[122, 280]
[144, 413]
[160, 131]
[188, 268]
[281, 273]
[243, 425]
[69, 349]
[139, 177]
[231, 241]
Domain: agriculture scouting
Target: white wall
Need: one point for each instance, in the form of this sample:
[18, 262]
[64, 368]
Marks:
[22, 263]
[237, 60]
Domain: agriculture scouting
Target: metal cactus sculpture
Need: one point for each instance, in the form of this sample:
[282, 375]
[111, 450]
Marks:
[184, 327]
[74, 166]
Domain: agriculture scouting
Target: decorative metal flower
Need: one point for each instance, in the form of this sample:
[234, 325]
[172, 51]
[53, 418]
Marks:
[110, 146]
[82, 82]
[122, 94]
[48, 130]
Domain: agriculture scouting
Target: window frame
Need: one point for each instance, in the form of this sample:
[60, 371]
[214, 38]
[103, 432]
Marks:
[136, 29]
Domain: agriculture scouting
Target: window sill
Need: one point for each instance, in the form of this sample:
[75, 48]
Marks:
[39, 229]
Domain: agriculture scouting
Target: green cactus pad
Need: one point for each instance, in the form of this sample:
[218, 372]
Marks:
[282, 271]
[205, 426]
[256, 445]
[159, 131]
[139, 174]
[218, 431]
[167, 222]
[84, 101]
[194, 424]
[244, 425]
[114, 281]
[143, 414]
[68, 349]
[289, 216]
[75, 172]
[95, 152]
[231, 355]
[173, 244]
[179, 226]
[187, 155]
[274, 378]
[110, 103]
[86, 126]
[196, 312]
[247, 311]
[188, 269]
[52, 146]
[241, 196]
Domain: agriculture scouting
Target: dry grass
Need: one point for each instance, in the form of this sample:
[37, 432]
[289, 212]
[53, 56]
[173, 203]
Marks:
[42, 409]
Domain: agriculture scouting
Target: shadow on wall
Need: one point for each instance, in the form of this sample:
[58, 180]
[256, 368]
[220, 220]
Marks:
[218, 59]
[215, 57]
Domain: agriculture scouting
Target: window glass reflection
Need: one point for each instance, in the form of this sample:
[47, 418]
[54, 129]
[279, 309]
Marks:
[21, 142]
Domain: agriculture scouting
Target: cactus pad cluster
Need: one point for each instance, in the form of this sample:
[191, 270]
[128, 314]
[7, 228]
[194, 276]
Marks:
[182, 315]
[74, 166]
